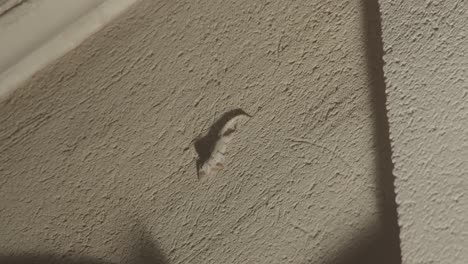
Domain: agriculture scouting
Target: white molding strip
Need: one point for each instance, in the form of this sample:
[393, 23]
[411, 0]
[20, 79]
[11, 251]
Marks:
[57, 43]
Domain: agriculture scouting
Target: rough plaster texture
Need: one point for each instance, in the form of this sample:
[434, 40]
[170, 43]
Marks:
[426, 48]
[96, 158]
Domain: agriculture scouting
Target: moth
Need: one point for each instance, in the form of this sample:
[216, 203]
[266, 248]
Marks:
[211, 148]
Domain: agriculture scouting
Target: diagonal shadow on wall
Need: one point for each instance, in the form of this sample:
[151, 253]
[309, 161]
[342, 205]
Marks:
[145, 251]
[390, 232]
[48, 259]
[383, 244]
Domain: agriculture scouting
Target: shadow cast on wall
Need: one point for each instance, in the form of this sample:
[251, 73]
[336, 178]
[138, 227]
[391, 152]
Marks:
[48, 259]
[381, 245]
[389, 235]
[145, 251]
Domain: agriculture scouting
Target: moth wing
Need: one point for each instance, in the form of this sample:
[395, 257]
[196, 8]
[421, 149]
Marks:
[218, 167]
[231, 125]
[216, 158]
[202, 173]
[213, 164]
[220, 146]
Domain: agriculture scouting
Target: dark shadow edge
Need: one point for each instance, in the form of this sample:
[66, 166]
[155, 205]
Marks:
[384, 165]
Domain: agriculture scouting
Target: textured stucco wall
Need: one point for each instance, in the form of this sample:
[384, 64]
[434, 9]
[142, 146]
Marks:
[96, 158]
[426, 46]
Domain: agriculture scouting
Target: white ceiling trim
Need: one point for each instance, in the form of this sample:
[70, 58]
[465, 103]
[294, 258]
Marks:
[38, 32]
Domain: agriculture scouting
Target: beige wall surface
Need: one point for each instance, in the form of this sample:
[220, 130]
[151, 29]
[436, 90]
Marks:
[96, 158]
[426, 46]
